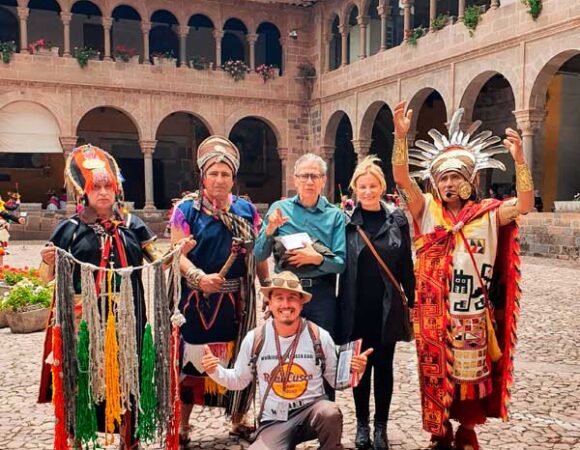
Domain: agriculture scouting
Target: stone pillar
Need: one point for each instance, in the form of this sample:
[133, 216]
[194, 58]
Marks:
[529, 121]
[361, 148]
[145, 29]
[218, 36]
[363, 23]
[407, 18]
[252, 38]
[23, 16]
[148, 147]
[432, 14]
[494, 4]
[68, 144]
[327, 153]
[343, 30]
[460, 10]
[383, 11]
[183, 33]
[65, 18]
[107, 24]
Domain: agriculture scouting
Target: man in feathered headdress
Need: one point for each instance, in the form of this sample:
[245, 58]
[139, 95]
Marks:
[467, 270]
[218, 297]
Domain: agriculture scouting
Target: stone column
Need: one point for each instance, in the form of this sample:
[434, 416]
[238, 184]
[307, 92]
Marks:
[252, 38]
[432, 14]
[327, 153]
[148, 147]
[407, 18]
[460, 10]
[529, 121]
[68, 144]
[107, 24]
[218, 36]
[183, 33]
[343, 30]
[383, 11]
[494, 4]
[23, 16]
[363, 23]
[65, 18]
[361, 148]
[145, 29]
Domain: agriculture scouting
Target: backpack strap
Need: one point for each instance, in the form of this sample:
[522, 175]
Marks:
[257, 345]
[314, 332]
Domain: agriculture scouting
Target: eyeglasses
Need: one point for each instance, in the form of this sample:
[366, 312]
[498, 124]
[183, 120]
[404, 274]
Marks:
[306, 176]
[279, 282]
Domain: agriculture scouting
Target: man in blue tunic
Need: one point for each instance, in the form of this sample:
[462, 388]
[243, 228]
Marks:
[317, 262]
[218, 296]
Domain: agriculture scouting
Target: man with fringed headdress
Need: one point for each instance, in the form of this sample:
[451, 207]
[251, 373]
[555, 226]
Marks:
[218, 294]
[102, 236]
[468, 273]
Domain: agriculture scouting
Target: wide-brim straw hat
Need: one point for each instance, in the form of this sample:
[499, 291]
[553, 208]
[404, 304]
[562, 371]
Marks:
[288, 282]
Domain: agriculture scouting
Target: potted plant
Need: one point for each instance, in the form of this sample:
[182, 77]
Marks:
[439, 22]
[471, 18]
[199, 63]
[9, 276]
[83, 54]
[125, 54]
[306, 71]
[7, 48]
[236, 69]
[414, 35]
[28, 305]
[534, 7]
[43, 47]
[166, 58]
[266, 71]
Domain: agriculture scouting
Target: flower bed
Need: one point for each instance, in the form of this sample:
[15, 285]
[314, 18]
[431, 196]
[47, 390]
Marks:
[236, 69]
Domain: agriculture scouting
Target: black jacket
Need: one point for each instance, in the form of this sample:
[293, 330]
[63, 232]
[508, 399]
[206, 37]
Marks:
[393, 244]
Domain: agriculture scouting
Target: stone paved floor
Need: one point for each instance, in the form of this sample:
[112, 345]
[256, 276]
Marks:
[546, 395]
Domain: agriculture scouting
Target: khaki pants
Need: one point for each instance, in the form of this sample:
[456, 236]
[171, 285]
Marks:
[320, 420]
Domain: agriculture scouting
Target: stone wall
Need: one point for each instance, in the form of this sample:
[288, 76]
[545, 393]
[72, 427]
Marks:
[552, 235]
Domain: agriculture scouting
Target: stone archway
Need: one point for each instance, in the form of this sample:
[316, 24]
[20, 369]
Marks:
[334, 45]
[234, 42]
[268, 47]
[554, 93]
[163, 39]
[126, 34]
[174, 160]
[260, 175]
[377, 128]
[31, 155]
[9, 26]
[114, 131]
[494, 106]
[44, 22]
[344, 158]
[429, 111]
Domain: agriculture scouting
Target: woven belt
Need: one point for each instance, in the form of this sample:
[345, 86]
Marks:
[231, 285]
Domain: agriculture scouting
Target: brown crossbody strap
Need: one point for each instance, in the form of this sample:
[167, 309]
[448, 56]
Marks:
[382, 264]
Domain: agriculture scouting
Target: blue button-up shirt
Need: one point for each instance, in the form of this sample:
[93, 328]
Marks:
[324, 222]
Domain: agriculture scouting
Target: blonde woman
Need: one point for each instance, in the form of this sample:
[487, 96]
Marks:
[371, 306]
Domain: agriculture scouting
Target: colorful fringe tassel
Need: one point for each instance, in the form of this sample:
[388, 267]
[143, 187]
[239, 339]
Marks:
[60, 432]
[113, 388]
[172, 441]
[148, 418]
[86, 418]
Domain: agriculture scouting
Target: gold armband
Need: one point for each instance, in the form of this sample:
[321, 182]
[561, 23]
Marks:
[524, 181]
[400, 152]
[151, 252]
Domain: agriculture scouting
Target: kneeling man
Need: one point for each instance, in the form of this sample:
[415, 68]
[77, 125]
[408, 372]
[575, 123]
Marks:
[289, 356]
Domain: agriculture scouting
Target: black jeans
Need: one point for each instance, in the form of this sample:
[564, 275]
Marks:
[381, 360]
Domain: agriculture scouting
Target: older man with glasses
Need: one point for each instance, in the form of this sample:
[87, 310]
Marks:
[322, 256]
